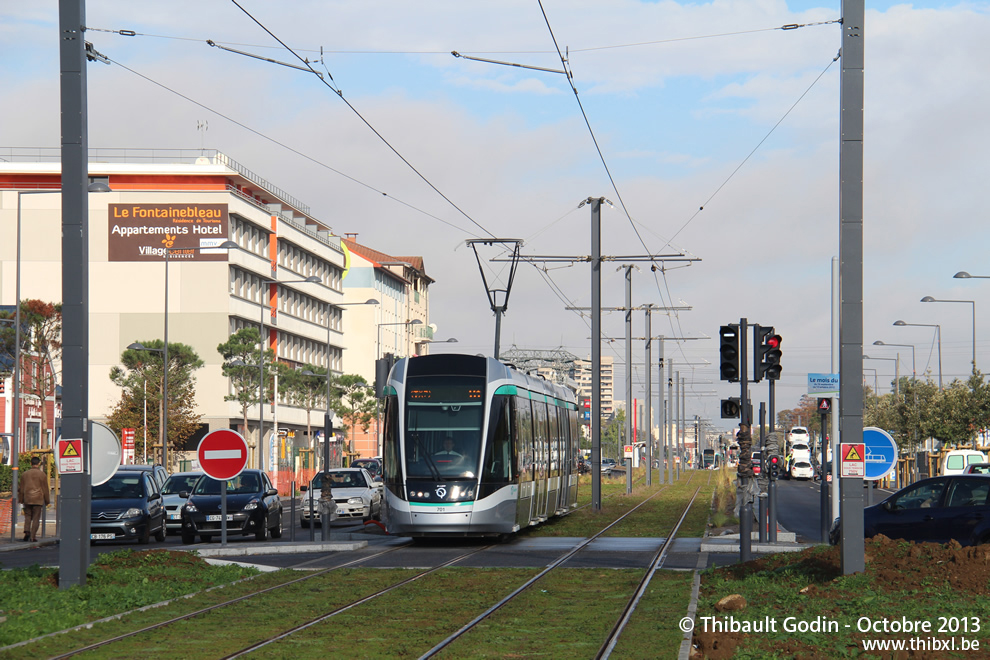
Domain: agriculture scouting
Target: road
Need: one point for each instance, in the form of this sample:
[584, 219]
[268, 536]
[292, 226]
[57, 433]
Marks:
[799, 503]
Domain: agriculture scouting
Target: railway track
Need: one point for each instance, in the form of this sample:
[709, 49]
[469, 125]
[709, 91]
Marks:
[325, 616]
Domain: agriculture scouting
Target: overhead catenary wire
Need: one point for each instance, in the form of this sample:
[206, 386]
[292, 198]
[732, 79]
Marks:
[353, 109]
[289, 148]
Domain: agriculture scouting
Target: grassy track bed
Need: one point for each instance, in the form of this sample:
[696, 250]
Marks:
[406, 622]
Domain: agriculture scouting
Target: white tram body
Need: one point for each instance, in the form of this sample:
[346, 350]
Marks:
[473, 447]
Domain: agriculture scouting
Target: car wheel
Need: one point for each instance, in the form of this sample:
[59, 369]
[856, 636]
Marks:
[277, 529]
[160, 534]
[188, 539]
[262, 533]
[145, 536]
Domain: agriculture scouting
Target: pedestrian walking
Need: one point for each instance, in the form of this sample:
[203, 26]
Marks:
[33, 494]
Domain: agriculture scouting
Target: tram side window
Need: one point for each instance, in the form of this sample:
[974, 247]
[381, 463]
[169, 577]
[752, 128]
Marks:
[390, 441]
[524, 438]
[499, 458]
[554, 438]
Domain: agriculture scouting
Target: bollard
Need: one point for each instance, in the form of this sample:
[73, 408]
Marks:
[292, 513]
[763, 517]
[746, 532]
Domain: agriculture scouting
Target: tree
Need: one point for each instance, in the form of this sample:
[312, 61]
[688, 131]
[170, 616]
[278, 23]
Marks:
[242, 356]
[354, 403]
[304, 391]
[41, 349]
[141, 380]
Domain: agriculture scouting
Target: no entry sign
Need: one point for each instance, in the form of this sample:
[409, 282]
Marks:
[223, 454]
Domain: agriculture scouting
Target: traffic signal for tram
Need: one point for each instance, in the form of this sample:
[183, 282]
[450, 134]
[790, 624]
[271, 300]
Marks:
[775, 463]
[766, 354]
[730, 408]
[728, 353]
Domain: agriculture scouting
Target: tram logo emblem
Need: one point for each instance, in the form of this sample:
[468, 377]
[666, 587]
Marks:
[441, 492]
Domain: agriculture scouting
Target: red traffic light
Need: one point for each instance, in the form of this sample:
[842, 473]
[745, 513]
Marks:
[774, 460]
[773, 341]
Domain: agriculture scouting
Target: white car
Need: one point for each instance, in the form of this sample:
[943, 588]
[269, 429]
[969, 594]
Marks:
[354, 491]
[802, 470]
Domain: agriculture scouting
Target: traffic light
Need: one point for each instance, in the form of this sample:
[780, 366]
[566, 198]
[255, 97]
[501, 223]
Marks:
[730, 408]
[775, 462]
[728, 354]
[766, 354]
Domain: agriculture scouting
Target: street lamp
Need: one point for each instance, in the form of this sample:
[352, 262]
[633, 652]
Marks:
[163, 420]
[928, 299]
[226, 245]
[896, 361]
[378, 352]
[313, 279]
[914, 371]
[938, 334]
[95, 187]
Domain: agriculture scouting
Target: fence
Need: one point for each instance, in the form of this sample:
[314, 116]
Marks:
[5, 506]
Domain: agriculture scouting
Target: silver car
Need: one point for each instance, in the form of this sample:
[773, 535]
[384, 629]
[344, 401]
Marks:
[354, 491]
[175, 484]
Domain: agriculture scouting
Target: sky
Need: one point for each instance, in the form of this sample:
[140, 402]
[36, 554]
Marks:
[713, 132]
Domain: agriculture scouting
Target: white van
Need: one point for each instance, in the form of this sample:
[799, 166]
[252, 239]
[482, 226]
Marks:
[955, 461]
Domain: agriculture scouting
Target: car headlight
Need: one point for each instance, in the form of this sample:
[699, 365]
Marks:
[252, 505]
[133, 512]
[191, 508]
[355, 500]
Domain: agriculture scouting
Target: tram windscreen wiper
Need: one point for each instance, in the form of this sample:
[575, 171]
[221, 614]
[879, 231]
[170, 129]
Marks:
[434, 470]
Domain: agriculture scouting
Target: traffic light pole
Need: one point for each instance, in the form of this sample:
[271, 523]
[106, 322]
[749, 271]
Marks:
[746, 511]
[825, 508]
[772, 488]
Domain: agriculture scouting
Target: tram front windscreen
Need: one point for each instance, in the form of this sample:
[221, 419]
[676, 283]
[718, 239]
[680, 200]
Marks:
[444, 416]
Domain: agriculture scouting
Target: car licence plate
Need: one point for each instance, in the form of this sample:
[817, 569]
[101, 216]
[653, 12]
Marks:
[100, 537]
[175, 516]
[218, 517]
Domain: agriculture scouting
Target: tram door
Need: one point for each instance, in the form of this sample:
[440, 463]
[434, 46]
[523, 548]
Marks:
[573, 447]
[542, 450]
[553, 468]
[524, 459]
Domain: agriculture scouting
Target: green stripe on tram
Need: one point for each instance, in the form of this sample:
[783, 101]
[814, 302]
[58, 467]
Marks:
[441, 506]
[389, 391]
[508, 390]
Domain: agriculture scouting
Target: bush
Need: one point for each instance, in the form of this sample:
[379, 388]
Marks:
[6, 478]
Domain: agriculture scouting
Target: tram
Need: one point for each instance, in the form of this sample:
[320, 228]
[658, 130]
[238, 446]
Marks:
[473, 447]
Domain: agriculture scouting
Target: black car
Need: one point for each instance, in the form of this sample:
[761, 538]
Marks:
[372, 465]
[127, 506]
[253, 507]
[937, 510]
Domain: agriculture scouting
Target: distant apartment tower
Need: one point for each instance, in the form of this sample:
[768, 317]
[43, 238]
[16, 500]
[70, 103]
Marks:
[582, 376]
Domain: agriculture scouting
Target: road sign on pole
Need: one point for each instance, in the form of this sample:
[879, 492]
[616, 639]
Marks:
[852, 457]
[223, 454]
[881, 453]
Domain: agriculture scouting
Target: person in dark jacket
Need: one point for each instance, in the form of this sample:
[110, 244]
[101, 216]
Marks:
[33, 494]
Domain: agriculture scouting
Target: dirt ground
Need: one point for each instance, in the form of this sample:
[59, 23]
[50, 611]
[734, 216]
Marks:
[892, 567]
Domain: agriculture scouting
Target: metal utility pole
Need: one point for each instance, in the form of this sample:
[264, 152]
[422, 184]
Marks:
[649, 394]
[669, 448]
[661, 413]
[851, 273]
[74, 548]
[596, 352]
[745, 419]
[629, 411]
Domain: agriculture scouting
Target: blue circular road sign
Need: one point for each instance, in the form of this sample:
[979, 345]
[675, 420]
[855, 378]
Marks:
[881, 453]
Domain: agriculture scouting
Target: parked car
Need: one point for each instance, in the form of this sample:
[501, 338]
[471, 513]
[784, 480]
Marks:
[955, 461]
[977, 468]
[253, 507]
[608, 464]
[802, 470]
[157, 472]
[354, 491]
[174, 485]
[372, 465]
[938, 510]
[127, 506]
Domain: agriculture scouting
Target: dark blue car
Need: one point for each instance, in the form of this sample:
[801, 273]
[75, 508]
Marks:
[936, 510]
[253, 507]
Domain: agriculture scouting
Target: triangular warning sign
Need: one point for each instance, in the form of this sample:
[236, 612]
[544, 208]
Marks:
[852, 454]
[69, 450]
[823, 405]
